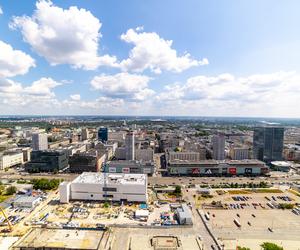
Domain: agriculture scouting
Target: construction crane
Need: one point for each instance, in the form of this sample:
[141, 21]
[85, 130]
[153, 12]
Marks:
[10, 226]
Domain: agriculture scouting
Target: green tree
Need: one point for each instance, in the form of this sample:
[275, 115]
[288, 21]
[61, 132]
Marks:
[270, 246]
[177, 190]
[243, 248]
[11, 190]
[177, 149]
[44, 184]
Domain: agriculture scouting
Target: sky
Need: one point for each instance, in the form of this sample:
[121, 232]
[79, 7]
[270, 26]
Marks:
[171, 57]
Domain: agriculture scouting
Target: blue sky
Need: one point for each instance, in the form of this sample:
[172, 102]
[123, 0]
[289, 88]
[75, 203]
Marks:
[216, 58]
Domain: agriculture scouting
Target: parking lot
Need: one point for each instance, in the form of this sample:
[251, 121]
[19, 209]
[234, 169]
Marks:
[253, 216]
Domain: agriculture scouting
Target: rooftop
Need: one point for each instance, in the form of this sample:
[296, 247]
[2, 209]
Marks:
[281, 163]
[215, 162]
[99, 178]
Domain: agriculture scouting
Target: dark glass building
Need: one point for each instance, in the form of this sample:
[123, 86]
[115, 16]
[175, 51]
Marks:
[47, 161]
[103, 134]
[268, 143]
[84, 162]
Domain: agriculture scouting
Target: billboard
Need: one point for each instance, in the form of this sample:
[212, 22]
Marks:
[173, 170]
[126, 170]
[248, 170]
[147, 171]
[232, 171]
[195, 171]
[112, 170]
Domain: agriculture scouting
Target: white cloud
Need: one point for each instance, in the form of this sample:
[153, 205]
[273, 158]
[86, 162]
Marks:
[39, 95]
[153, 52]
[13, 62]
[75, 97]
[42, 87]
[256, 95]
[1, 11]
[123, 85]
[63, 36]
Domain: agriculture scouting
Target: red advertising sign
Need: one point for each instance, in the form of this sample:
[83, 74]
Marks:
[125, 170]
[195, 171]
[232, 170]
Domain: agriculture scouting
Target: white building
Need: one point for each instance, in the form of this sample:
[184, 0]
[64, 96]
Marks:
[218, 143]
[25, 201]
[10, 159]
[184, 156]
[105, 186]
[239, 153]
[39, 141]
[85, 135]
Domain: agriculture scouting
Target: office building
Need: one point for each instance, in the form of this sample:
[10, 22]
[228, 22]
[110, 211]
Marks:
[217, 168]
[268, 143]
[103, 134]
[124, 166]
[105, 186]
[85, 135]
[184, 215]
[185, 156]
[89, 161]
[130, 146]
[39, 141]
[237, 153]
[25, 201]
[10, 159]
[47, 161]
[218, 144]
[144, 154]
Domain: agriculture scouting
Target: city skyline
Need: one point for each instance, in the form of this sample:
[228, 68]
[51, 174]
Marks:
[113, 58]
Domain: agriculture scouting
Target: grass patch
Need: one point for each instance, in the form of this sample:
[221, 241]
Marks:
[267, 190]
[256, 190]
[4, 197]
[294, 192]
[239, 191]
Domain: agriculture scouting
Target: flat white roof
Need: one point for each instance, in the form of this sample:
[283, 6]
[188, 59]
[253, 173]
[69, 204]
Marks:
[281, 163]
[111, 178]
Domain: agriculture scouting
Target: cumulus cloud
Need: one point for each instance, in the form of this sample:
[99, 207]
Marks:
[226, 94]
[1, 11]
[63, 36]
[39, 94]
[75, 97]
[152, 52]
[14, 62]
[123, 85]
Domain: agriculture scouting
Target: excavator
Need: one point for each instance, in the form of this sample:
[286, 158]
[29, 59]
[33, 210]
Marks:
[10, 226]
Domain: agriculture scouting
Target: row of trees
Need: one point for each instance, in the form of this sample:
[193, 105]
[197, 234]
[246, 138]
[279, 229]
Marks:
[7, 191]
[45, 184]
[264, 246]
[262, 184]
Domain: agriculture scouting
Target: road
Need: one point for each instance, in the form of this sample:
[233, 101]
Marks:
[198, 225]
[157, 180]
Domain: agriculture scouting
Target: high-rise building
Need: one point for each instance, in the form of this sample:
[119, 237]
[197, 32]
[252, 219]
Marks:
[268, 143]
[85, 134]
[39, 141]
[130, 146]
[103, 134]
[218, 143]
[47, 161]
[239, 153]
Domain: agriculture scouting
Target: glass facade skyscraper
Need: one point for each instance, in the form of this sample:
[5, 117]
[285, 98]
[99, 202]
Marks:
[103, 134]
[268, 143]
